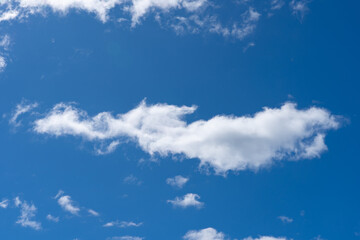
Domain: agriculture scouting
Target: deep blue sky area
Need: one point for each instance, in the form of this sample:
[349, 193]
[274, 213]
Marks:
[309, 57]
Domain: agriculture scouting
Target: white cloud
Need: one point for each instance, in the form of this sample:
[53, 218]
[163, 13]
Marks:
[5, 42]
[249, 45]
[93, 213]
[109, 224]
[193, 5]
[191, 13]
[4, 45]
[9, 15]
[99, 7]
[318, 238]
[108, 149]
[213, 234]
[125, 238]
[299, 8]
[60, 193]
[265, 238]
[4, 203]
[131, 179]
[250, 19]
[66, 203]
[222, 142]
[27, 214]
[20, 109]
[237, 30]
[285, 219]
[177, 181]
[17, 201]
[204, 234]
[122, 224]
[192, 16]
[2, 63]
[52, 218]
[140, 7]
[188, 200]
[277, 4]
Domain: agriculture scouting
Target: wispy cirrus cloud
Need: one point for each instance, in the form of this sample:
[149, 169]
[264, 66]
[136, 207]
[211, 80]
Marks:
[122, 224]
[222, 143]
[140, 7]
[125, 238]
[27, 213]
[108, 148]
[93, 213]
[299, 8]
[266, 238]
[177, 181]
[5, 42]
[20, 109]
[285, 219]
[188, 200]
[213, 234]
[183, 16]
[237, 30]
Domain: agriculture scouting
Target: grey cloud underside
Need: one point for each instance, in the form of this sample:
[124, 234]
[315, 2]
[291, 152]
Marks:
[222, 142]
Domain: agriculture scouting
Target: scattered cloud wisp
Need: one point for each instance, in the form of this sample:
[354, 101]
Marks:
[285, 219]
[177, 181]
[188, 200]
[122, 224]
[4, 203]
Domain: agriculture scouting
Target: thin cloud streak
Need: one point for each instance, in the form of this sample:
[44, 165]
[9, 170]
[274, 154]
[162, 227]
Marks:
[222, 143]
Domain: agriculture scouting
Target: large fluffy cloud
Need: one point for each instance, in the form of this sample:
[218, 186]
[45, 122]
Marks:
[67, 203]
[222, 142]
[204, 234]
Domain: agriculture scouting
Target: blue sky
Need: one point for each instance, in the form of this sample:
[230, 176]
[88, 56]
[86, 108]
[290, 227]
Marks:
[179, 119]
